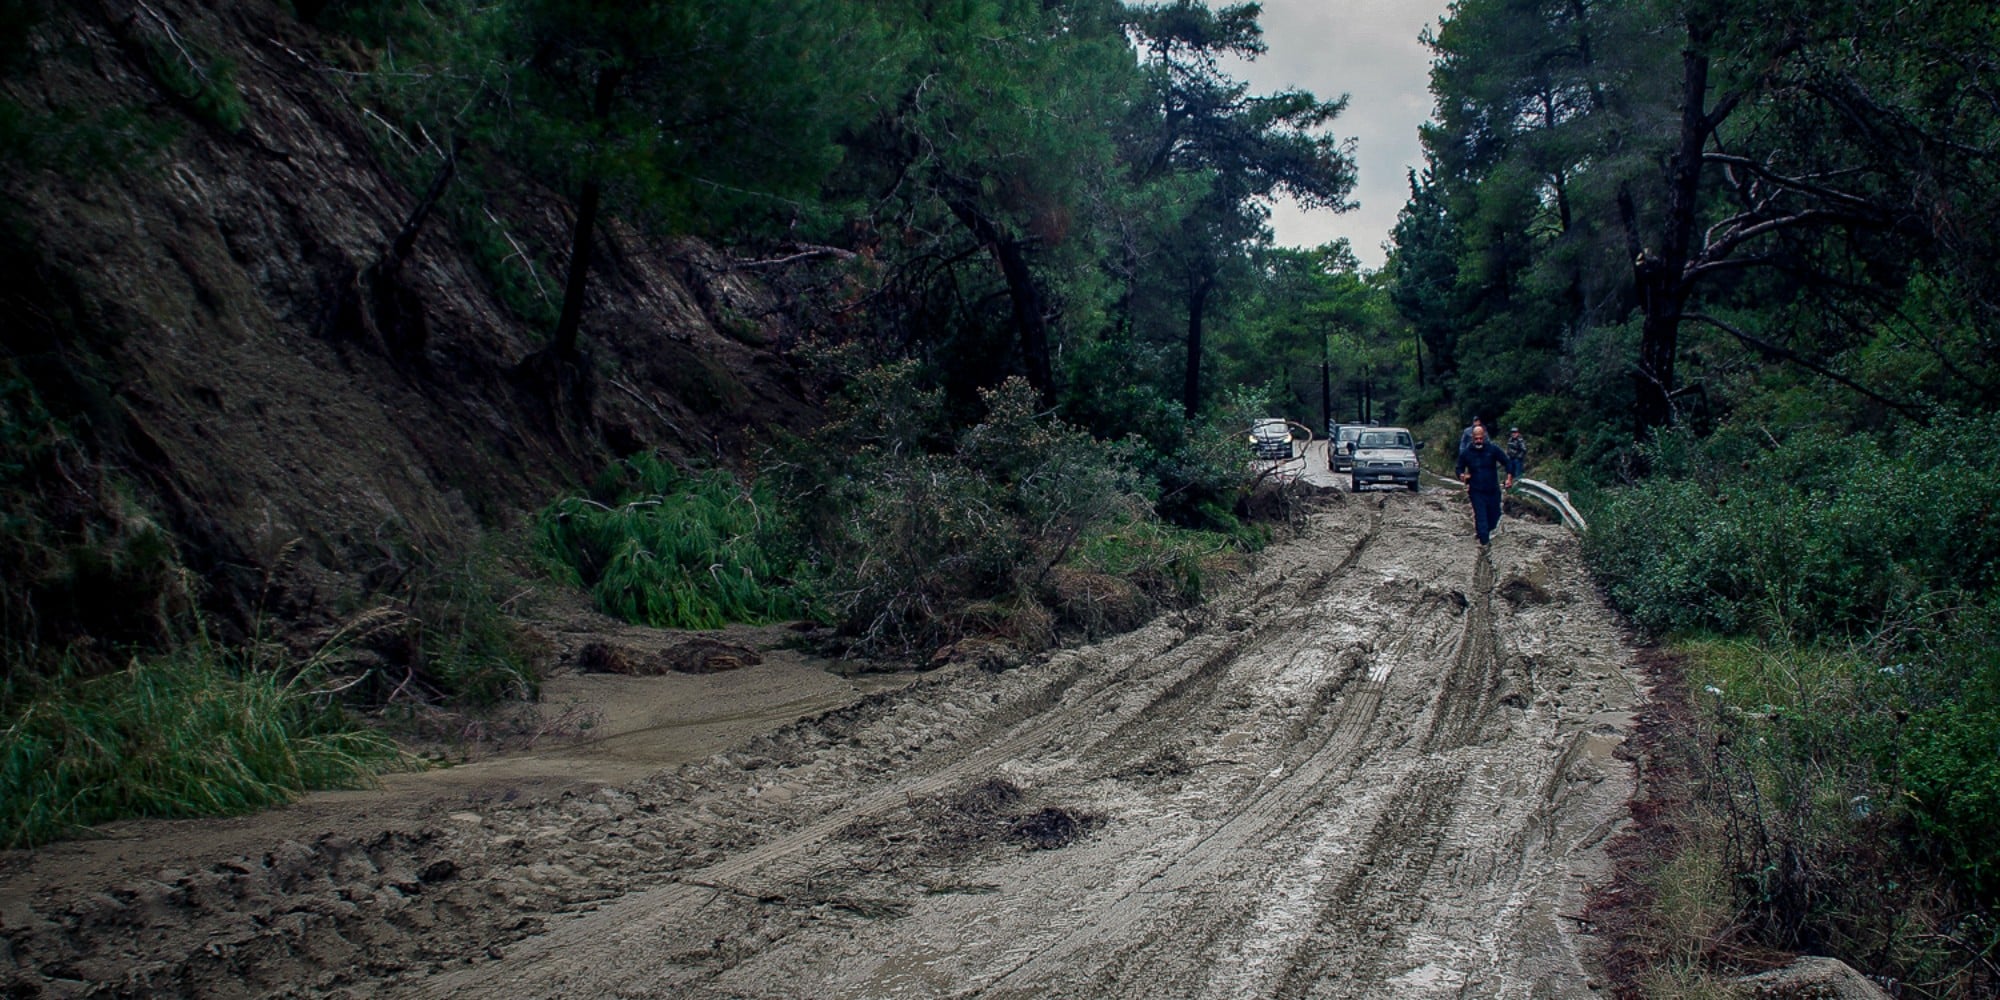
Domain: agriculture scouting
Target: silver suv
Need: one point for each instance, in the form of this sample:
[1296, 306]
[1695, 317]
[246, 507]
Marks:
[1340, 447]
[1385, 456]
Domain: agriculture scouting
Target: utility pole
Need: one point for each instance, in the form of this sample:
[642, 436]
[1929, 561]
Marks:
[1325, 386]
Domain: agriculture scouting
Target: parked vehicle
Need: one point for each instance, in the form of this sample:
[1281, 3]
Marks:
[1384, 456]
[1340, 447]
[1270, 437]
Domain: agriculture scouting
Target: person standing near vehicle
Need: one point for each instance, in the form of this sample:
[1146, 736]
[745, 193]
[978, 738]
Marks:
[1481, 465]
[1465, 436]
[1517, 450]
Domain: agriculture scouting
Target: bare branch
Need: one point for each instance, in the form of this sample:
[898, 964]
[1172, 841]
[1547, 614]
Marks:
[1771, 350]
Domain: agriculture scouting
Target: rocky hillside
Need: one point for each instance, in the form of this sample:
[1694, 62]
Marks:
[245, 366]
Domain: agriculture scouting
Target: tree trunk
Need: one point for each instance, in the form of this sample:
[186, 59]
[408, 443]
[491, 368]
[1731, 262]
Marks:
[1660, 281]
[1031, 324]
[1197, 307]
[564, 345]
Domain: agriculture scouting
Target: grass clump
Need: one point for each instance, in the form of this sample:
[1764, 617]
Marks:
[657, 545]
[188, 734]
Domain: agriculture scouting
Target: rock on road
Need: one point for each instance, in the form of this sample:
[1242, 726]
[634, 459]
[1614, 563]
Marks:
[1380, 764]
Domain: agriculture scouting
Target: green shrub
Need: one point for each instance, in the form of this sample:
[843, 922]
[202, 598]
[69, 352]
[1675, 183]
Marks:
[1168, 564]
[1854, 709]
[666, 548]
[1820, 536]
[460, 639]
[909, 526]
[198, 732]
[1945, 752]
[1855, 823]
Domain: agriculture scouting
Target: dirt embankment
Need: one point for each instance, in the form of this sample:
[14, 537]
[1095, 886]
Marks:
[1381, 765]
[202, 316]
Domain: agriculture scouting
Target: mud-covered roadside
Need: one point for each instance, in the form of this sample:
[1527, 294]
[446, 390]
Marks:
[1381, 765]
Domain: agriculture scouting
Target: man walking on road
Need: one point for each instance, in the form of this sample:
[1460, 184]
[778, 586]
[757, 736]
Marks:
[1517, 451]
[1480, 465]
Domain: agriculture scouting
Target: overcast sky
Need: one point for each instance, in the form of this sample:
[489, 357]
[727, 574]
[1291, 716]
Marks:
[1368, 50]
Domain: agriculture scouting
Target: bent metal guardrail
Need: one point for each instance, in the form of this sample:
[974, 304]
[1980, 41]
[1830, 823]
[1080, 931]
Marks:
[1554, 498]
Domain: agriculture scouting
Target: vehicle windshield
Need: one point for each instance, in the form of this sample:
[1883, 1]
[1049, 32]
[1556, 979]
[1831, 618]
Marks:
[1385, 439]
[1270, 428]
[1349, 433]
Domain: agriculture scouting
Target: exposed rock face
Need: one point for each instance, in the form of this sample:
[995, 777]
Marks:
[193, 319]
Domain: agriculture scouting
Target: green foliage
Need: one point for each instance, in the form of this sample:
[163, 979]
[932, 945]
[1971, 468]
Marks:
[1946, 749]
[1859, 822]
[663, 547]
[457, 634]
[1858, 753]
[204, 83]
[1820, 536]
[1167, 563]
[912, 528]
[200, 732]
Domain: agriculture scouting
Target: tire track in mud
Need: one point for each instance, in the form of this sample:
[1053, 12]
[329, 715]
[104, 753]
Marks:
[1370, 898]
[1299, 785]
[1060, 709]
[1273, 806]
[1366, 909]
[1466, 697]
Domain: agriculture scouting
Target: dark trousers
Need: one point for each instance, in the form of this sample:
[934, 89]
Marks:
[1485, 513]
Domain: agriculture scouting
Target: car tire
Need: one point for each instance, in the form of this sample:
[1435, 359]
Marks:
[1354, 484]
[1413, 486]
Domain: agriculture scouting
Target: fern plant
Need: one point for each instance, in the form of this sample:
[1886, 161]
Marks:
[662, 547]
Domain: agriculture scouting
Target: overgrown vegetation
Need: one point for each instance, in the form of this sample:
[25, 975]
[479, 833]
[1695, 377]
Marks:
[903, 535]
[659, 546]
[1850, 716]
[202, 731]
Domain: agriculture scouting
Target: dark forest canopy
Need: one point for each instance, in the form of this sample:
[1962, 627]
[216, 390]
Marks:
[1068, 191]
[1649, 202]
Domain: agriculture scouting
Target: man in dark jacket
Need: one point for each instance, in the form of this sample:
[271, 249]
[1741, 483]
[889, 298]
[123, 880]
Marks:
[1517, 451]
[1481, 466]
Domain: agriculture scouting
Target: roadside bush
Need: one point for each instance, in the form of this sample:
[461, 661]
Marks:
[656, 545]
[1945, 749]
[1816, 537]
[198, 732]
[457, 635]
[909, 526]
[1850, 826]
[1853, 704]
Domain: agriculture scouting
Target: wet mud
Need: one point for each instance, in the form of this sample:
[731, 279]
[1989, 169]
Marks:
[1380, 765]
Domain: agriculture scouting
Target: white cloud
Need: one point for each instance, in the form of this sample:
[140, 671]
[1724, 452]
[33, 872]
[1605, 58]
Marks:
[1368, 50]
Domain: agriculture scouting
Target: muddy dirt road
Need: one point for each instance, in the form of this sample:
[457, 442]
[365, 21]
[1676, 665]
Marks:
[1380, 766]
